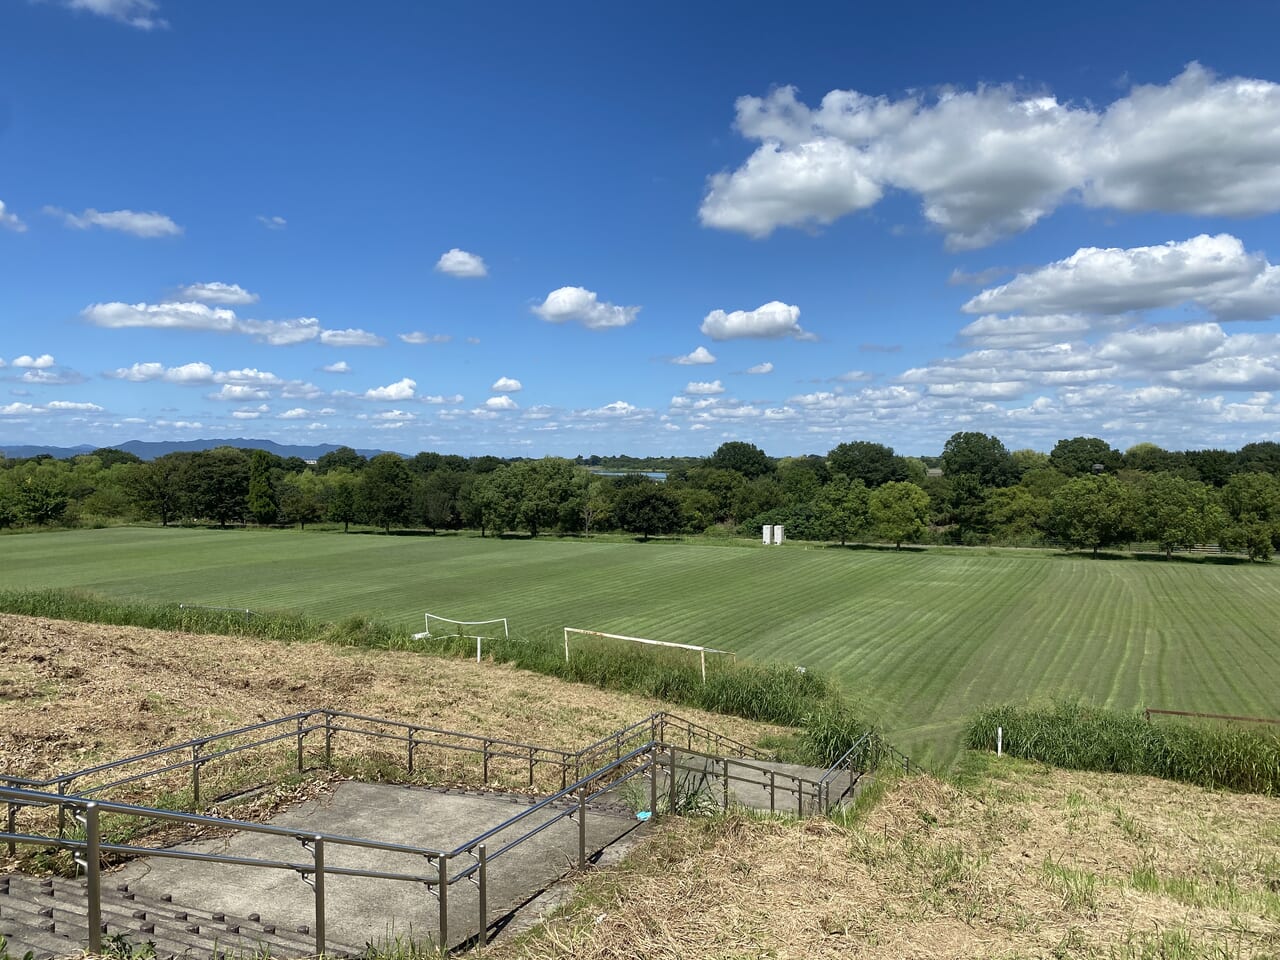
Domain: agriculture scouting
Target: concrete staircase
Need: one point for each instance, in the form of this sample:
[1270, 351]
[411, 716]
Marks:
[49, 918]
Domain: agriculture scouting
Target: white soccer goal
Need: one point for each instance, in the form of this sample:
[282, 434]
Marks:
[702, 651]
[447, 627]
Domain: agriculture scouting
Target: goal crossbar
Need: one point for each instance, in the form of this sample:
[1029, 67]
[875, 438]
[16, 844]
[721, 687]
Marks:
[477, 637]
[702, 651]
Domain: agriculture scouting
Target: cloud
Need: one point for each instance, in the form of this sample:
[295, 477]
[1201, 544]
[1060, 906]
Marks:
[501, 403]
[439, 399]
[229, 294]
[176, 316]
[583, 306]
[618, 410]
[507, 385]
[990, 162]
[459, 263]
[240, 392]
[148, 225]
[700, 355]
[1029, 331]
[418, 337]
[73, 406]
[351, 338]
[402, 415]
[273, 223]
[42, 362]
[1214, 273]
[340, 367]
[761, 368]
[140, 14]
[770, 321]
[400, 390]
[703, 388]
[194, 373]
[852, 376]
[297, 413]
[11, 221]
[251, 413]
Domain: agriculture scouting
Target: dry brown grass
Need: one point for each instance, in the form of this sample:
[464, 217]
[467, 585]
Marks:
[1022, 861]
[74, 695]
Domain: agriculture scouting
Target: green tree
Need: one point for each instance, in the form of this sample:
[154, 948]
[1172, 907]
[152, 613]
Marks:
[263, 506]
[845, 507]
[300, 498]
[898, 512]
[219, 481]
[340, 497]
[1252, 504]
[386, 491]
[341, 458]
[160, 488]
[1017, 513]
[1177, 513]
[979, 455]
[741, 457]
[1077, 457]
[1092, 511]
[647, 509]
[872, 463]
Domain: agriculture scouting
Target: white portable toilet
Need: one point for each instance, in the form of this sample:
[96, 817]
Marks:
[777, 534]
[768, 534]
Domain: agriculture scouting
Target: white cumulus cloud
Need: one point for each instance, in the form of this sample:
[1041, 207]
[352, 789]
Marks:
[351, 338]
[585, 307]
[439, 399]
[230, 294]
[273, 223]
[418, 337]
[148, 225]
[400, 390]
[770, 321]
[507, 385]
[698, 356]
[42, 362]
[11, 221]
[992, 161]
[459, 263]
[340, 367]
[704, 388]
[140, 14]
[760, 368]
[1215, 273]
[501, 403]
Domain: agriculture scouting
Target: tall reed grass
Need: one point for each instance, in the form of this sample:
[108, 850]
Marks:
[1083, 737]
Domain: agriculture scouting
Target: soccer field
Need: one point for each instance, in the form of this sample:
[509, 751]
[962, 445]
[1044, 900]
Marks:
[925, 636]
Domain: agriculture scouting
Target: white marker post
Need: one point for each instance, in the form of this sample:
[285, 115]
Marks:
[999, 741]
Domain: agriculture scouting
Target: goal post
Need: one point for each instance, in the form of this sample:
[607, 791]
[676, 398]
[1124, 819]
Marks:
[448, 627]
[701, 651]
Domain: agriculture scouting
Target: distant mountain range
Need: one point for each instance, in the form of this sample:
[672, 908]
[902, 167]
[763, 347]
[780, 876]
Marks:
[150, 449]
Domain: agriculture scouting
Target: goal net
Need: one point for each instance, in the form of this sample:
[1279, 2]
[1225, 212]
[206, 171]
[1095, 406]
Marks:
[701, 651]
[444, 628]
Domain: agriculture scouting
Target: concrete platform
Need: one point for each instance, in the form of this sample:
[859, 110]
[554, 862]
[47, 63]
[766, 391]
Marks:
[362, 910]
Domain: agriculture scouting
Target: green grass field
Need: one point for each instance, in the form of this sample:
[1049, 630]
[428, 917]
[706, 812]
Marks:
[926, 636]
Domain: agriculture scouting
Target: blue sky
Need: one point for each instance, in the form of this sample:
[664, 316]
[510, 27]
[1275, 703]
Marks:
[597, 228]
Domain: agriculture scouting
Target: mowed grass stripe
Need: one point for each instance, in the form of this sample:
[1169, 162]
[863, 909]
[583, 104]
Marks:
[930, 636]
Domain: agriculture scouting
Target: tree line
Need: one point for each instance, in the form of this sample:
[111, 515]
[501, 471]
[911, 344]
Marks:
[1084, 493]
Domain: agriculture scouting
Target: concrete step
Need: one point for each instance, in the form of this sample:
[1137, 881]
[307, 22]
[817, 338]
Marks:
[49, 917]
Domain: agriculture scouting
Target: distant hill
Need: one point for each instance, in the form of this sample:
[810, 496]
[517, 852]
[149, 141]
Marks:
[150, 449]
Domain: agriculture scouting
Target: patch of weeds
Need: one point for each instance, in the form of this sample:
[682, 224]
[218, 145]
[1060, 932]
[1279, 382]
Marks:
[119, 947]
[401, 947]
[1079, 888]
[1129, 826]
[1172, 944]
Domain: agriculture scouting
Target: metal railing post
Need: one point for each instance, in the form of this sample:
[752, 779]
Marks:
[12, 823]
[582, 829]
[443, 896]
[318, 886]
[412, 744]
[724, 769]
[62, 809]
[93, 875]
[328, 739]
[195, 778]
[653, 780]
[484, 895]
[671, 783]
[773, 791]
[531, 766]
[300, 723]
[486, 762]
